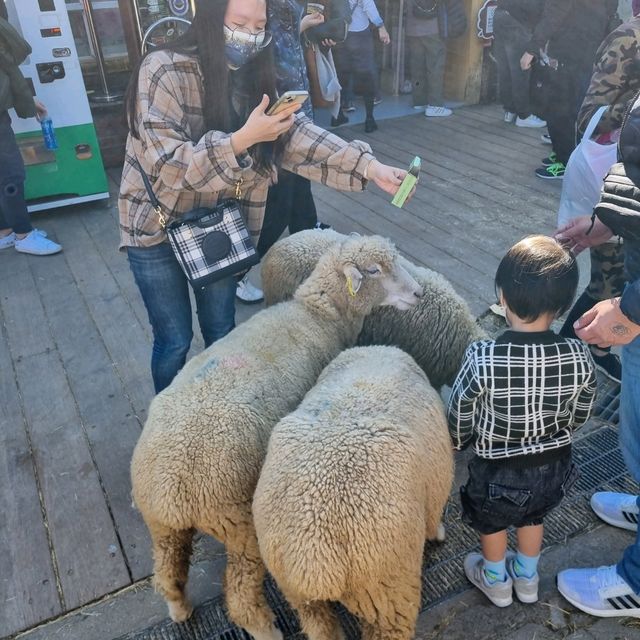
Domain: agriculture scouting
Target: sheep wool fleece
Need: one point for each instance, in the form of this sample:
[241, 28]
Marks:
[354, 482]
[436, 332]
[198, 459]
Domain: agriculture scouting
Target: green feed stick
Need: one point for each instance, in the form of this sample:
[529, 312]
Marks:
[408, 183]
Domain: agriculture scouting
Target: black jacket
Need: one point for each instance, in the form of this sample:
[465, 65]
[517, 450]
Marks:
[629, 152]
[574, 29]
[527, 12]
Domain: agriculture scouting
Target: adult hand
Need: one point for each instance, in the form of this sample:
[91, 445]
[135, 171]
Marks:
[383, 34]
[605, 325]
[311, 20]
[526, 61]
[387, 178]
[41, 109]
[573, 235]
[261, 127]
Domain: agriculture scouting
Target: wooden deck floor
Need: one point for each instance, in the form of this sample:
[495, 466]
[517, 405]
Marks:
[75, 347]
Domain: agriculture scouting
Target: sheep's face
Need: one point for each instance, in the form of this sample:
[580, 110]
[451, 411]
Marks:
[373, 273]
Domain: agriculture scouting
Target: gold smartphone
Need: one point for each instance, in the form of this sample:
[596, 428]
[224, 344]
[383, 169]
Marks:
[286, 99]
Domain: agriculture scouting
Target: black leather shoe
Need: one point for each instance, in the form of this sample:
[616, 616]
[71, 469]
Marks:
[370, 125]
[340, 120]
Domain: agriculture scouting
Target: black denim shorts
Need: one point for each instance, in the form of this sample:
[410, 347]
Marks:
[499, 495]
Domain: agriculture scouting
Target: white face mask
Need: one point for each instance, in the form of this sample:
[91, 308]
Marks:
[240, 45]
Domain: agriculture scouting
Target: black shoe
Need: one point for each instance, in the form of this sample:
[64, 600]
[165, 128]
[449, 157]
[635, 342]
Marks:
[552, 172]
[340, 120]
[322, 226]
[549, 160]
[610, 365]
[370, 125]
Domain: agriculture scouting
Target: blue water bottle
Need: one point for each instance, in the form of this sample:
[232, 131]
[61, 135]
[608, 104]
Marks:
[48, 133]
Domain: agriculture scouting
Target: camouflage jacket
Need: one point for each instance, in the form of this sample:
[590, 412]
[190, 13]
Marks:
[616, 77]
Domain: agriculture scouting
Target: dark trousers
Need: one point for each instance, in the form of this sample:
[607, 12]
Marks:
[510, 41]
[428, 56]
[289, 203]
[355, 63]
[13, 208]
[566, 90]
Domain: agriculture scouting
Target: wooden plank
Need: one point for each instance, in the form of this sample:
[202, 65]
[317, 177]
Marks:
[28, 592]
[111, 427]
[85, 544]
[124, 338]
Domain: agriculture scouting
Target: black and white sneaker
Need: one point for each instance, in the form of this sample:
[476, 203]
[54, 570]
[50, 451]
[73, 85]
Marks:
[599, 592]
[617, 509]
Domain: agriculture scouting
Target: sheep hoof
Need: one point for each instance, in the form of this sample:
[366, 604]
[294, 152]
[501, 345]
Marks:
[180, 611]
[441, 534]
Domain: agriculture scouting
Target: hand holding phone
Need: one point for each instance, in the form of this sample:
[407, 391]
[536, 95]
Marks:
[287, 99]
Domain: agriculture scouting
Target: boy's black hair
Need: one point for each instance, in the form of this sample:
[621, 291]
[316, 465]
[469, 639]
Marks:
[537, 276]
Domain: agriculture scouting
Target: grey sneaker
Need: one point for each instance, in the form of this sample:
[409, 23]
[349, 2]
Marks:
[526, 588]
[500, 593]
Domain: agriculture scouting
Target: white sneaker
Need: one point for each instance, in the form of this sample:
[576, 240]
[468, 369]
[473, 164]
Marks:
[37, 244]
[531, 122]
[618, 509]
[248, 293]
[599, 592]
[437, 112]
[509, 117]
[10, 240]
[500, 593]
[420, 107]
[7, 241]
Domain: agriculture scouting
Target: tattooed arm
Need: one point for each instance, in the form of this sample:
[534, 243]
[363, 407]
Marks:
[605, 325]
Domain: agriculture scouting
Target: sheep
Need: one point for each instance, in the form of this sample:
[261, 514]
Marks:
[199, 456]
[435, 332]
[353, 483]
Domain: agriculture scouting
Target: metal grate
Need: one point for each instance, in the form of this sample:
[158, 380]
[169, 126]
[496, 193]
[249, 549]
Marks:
[602, 467]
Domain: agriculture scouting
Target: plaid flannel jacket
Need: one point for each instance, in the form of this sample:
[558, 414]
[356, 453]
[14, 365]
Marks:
[190, 167]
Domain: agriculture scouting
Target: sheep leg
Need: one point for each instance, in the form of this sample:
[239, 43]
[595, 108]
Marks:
[318, 620]
[171, 553]
[389, 613]
[243, 587]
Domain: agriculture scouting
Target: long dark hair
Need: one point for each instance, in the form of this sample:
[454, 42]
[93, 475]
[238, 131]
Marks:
[205, 39]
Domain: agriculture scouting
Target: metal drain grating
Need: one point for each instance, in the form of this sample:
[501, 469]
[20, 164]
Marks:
[602, 467]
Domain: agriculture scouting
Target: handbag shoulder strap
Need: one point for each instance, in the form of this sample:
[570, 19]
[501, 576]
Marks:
[155, 203]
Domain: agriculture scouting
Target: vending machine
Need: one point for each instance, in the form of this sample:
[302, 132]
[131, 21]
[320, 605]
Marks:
[73, 172]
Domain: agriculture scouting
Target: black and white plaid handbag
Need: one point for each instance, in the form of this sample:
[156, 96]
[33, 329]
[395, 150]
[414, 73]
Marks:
[209, 243]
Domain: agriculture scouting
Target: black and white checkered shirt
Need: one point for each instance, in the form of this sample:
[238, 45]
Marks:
[521, 394]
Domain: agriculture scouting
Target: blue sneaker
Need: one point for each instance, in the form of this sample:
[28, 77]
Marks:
[599, 592]
[618, 509]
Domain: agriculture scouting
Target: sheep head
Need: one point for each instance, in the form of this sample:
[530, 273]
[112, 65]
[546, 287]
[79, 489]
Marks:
[362, 273]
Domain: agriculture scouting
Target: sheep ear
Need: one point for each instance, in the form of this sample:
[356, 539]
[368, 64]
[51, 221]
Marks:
[354, 279]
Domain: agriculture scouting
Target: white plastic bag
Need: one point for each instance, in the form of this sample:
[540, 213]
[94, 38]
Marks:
[328, 78]
[586, 169]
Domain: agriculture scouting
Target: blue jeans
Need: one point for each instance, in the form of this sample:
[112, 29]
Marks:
[165, 292]
[629, 436]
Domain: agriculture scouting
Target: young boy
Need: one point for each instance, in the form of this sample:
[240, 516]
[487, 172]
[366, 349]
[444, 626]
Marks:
[518, 399]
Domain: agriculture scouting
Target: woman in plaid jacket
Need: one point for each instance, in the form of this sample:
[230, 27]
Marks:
[198, 126]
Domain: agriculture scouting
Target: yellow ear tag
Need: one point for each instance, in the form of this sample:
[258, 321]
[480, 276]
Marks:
[352, 293]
